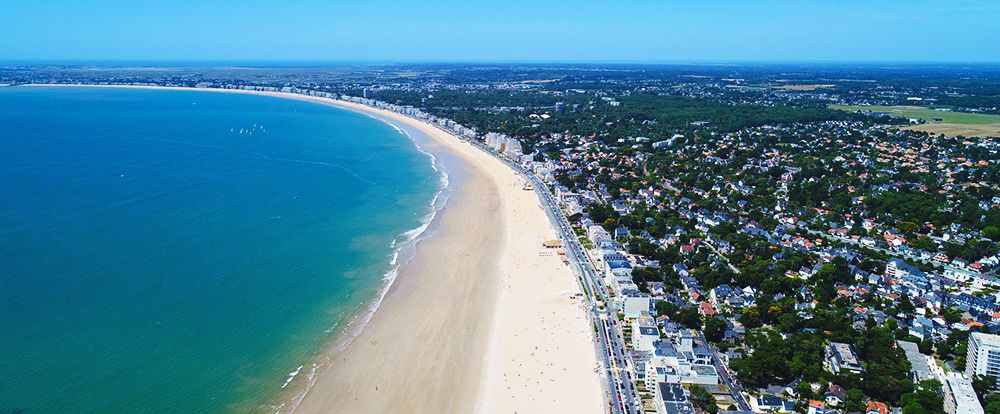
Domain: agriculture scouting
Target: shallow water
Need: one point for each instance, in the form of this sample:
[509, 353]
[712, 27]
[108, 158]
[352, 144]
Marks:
[185, 251]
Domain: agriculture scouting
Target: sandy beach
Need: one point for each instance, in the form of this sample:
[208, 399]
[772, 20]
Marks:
[482, 319]
[419, 352]
[531, 350]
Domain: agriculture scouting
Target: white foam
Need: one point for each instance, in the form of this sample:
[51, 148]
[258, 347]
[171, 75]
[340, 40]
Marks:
[403, 245]
[292, 375]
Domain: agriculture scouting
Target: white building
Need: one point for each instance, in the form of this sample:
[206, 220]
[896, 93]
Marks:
[503, 144]
[960, 397]
[919, 368]
[644, 338]
[672, 399]
[984, 355]
[636, 307]
[840, 356]
[597, 234]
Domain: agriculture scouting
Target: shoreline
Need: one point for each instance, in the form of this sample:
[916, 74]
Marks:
[404, 250]
[451, 342]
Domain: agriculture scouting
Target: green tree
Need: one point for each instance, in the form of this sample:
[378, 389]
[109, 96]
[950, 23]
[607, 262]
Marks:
[906, 305]
[960, 352]
[715, 329]
[907, 227]
[992, 407]
[689, 317]
[703, 399]
[992, 233]
[951, 315]
[789, 322]
[924, 399]
[943, 350]
[855, 401]
[984, 386]
[664, 308]
[923, 243]
[886, 376]
[926, 346]
[610, 224]
[804, 390]
[914, 409]
[751, 317]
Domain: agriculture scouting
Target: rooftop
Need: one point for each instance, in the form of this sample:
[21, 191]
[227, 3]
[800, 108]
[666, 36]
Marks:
[648, 330]
[965, 396]
[674, 400]
[918, 364]
[637, 305]
[704, 370]
[987, 339]
[672, 392]
[844, 354]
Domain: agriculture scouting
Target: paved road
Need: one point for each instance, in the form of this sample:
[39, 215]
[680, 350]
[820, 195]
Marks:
[620, 390]
[734, 387]
[724, 257]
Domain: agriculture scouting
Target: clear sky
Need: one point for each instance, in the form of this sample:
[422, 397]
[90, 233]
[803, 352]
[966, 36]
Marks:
[511, 30]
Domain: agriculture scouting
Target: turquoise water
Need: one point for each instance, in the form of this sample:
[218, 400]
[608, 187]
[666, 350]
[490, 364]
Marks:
[155, 259]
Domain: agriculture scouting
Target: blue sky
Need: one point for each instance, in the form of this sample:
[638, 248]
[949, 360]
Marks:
[512, 30]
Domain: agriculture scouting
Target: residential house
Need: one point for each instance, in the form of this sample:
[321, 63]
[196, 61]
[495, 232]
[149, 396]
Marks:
[841, 356]
[876, 407]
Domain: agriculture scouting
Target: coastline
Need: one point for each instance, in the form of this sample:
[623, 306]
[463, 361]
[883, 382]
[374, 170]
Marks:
[440, 340]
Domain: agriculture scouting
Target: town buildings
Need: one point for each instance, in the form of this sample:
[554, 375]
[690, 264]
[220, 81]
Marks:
[984, 355]
[960, 397]
[919, 369]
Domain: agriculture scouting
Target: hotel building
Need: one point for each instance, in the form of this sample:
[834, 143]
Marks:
[984, 355]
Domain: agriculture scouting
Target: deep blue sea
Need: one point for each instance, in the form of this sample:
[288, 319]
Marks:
[185, 251]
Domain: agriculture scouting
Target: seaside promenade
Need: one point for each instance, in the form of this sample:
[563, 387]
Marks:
[539, 353]
[609, 345]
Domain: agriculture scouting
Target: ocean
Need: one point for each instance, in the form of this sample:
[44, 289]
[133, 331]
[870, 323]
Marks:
[187, 251]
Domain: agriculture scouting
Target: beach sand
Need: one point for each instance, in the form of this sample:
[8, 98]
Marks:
[531, 349]
[481, 320]
[419, 352]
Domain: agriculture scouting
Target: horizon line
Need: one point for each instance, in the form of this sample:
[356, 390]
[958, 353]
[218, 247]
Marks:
[387, 62]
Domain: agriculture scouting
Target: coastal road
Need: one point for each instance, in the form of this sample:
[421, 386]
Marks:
[621, 392]
[612, 338]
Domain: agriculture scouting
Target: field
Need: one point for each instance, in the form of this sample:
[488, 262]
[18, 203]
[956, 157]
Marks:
[810, 87]
[951, 123]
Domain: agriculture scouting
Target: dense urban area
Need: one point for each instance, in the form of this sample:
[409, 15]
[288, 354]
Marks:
[817, 239]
